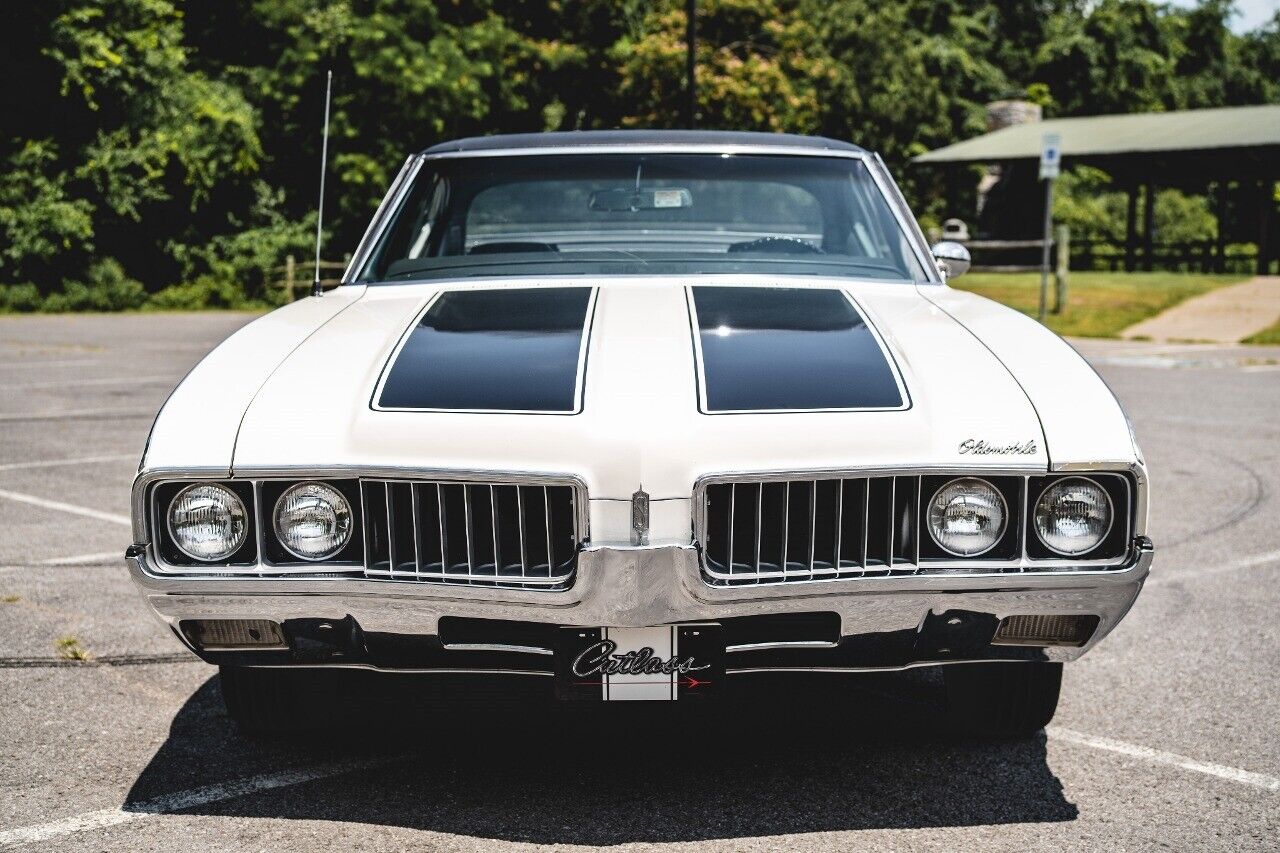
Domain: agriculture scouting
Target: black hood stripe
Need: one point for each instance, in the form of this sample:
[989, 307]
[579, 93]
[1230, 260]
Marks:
[789, 349]
[516, 350]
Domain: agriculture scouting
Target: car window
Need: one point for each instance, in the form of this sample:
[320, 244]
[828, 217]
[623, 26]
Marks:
[643, 213]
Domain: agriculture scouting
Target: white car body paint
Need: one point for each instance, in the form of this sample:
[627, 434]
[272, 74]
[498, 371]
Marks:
[197, 426]
[1083, 422]
[640, 426]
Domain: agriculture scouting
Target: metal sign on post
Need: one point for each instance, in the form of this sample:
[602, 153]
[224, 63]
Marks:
[1050, 155]
[1050, 168]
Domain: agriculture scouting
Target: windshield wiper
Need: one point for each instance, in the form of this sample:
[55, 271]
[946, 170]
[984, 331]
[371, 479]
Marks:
[572, 262]
[456, 262]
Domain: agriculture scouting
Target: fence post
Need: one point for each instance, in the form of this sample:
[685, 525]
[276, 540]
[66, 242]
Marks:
[290, 270]
[1063, 239]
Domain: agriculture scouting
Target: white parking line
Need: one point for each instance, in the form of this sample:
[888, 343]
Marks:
[68, 383]
[1170, 759]
[71, 508]
[1218, 569]
[54, 463]
[27, 365]
[74, 413]
[180, 800]
[85, 559]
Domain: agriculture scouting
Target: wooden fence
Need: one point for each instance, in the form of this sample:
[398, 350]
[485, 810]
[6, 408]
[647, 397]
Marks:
[1188, 256]
[1060, 244]
[294, 279]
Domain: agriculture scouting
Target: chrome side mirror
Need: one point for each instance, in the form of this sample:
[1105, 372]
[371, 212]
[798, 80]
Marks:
[952, 257]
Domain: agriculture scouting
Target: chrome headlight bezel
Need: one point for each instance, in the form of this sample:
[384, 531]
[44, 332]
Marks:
[341, 502]
[1033, 516]
[236, 502]
[1005, 517]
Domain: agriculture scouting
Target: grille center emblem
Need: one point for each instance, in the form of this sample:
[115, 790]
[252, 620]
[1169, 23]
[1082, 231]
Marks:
[640, 518]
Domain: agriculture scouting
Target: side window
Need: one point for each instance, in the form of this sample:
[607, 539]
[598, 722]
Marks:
[868, 239]
[411, 234]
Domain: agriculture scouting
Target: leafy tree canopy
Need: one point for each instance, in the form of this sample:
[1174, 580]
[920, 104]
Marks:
[162, 142]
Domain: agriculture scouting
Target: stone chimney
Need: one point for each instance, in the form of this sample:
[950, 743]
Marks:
[1005, 113]
[1001, 114]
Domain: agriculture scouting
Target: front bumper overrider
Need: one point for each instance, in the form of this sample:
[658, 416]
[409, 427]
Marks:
[886, 622]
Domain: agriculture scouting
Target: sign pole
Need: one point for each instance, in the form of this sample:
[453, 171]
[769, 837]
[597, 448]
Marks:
[1050, 167]
[690, 62]
[1044, 254]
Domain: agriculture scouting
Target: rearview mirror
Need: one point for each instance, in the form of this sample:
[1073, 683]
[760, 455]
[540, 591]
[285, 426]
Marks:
[632, 200]
[952, 257]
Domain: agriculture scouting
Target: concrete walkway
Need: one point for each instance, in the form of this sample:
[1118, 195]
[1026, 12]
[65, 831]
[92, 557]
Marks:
[1225, 315]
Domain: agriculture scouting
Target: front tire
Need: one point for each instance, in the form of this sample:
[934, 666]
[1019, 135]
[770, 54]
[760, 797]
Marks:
[1002, 700]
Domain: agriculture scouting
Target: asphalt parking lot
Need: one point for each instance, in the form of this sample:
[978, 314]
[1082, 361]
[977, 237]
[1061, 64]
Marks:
[1166, 735]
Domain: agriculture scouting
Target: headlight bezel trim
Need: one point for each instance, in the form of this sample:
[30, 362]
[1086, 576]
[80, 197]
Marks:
[1118, 546]
[1006, 521]
[1033, 505]
[166, 495]
[261, 550]
[356, 521]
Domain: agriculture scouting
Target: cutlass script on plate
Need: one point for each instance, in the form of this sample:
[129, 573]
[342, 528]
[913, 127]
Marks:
[977, 447]
[599, 659]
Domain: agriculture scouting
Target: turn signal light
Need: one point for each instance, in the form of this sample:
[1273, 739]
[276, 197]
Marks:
[215, 634]
[1045, 630]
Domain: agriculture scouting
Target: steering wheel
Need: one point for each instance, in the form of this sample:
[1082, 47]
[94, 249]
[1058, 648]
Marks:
[784, 245]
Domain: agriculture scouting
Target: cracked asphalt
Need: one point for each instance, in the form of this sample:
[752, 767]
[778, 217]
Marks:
[1166, 736]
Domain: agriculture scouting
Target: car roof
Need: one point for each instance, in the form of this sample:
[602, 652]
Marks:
[532, 142]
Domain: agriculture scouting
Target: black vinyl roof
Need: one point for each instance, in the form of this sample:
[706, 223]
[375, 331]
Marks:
[622, 138]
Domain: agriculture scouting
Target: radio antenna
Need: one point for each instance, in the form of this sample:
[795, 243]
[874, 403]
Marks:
[316, 289]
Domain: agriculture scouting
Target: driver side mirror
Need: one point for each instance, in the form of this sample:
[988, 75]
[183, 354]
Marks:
[952, 257]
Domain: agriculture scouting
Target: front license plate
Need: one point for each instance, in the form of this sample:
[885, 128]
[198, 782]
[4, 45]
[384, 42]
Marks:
[656, 664]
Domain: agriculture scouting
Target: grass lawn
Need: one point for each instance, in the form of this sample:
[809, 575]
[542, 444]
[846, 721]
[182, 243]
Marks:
[1269, 335]
[1099, 304]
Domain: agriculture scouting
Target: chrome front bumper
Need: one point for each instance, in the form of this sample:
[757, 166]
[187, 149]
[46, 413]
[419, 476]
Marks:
[648, 586]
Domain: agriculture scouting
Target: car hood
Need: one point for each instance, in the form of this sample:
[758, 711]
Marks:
[639, 423]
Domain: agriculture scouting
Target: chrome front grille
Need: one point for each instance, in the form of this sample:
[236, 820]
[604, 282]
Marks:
[776, 530]
[758, 531]
[480, 534]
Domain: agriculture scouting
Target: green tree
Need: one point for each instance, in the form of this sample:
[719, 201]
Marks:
[758, 63]
[176, 141]
[1113, 57]
[37, 218]
[136, 142]
[408, 73]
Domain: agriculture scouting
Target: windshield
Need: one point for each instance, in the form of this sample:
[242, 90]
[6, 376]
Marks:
[645, 214]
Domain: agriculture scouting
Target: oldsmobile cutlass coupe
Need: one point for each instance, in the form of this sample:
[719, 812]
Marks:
[630, 415]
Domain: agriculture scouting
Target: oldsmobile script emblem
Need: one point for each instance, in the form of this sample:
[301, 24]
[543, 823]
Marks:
[599, 659]
[976, 447]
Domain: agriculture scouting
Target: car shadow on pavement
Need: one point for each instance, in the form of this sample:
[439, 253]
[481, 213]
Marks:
[785, 756]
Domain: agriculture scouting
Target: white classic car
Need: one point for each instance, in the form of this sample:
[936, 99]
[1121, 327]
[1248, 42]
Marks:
[631, 415]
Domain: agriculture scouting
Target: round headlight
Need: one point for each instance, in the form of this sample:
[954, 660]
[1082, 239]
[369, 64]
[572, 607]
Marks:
[1073, 516]
[967, 517]
[207, 522]
[313, 521]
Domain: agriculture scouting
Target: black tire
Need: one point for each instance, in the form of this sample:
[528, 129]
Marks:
[1002, 700]
[262, 701]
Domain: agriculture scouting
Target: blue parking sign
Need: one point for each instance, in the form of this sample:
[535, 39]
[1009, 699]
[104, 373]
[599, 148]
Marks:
[1050, 155]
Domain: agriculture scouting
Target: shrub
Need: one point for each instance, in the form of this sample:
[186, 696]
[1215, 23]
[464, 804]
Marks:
[205, 292]
[251, 253]
[105, 288]
[19, 298]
